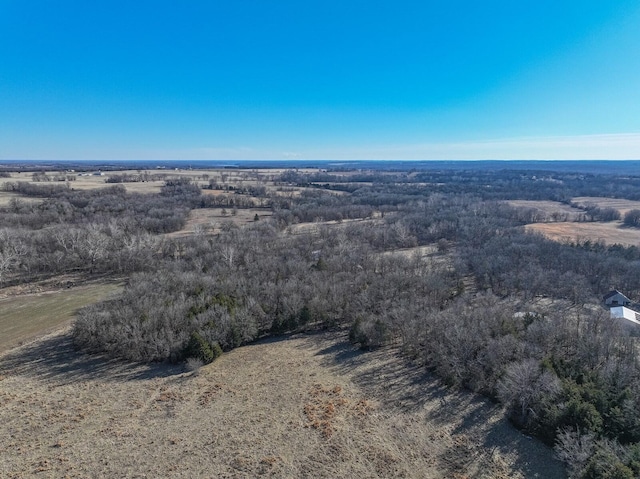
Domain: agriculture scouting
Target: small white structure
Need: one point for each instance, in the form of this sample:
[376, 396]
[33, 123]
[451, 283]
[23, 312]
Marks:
[621, 312]
[615, 298]
[621, 307]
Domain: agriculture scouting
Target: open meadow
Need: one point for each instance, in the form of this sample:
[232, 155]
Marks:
[559, 222]
[212, 220]
[304, 406]
[620, 204]
[609, 233]
[548, 210]
[151, 181]
[27, 315]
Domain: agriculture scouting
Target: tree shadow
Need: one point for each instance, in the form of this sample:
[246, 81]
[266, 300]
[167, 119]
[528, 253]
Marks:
[55, 358]
[407, 387]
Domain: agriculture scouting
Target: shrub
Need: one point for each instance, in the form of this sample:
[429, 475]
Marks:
[574, 449]
[198, 348]
[606, 465]
[632, 218]
[217, 351]
[305, 315]
[369, 334]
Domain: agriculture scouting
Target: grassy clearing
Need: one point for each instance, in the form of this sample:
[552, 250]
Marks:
[5, 198]
[93, 182]
[306, 406]
[616, 203]
[548, 208]
[209, 220]
[314, 227]
[569, 231]
[25, 316]
[610, 233]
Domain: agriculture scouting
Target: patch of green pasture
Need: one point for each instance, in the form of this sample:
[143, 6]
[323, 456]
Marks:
[22, 317]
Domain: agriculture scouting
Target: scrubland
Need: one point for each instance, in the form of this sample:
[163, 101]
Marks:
[424, 324]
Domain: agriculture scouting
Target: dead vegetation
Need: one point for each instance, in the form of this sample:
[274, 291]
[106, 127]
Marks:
[548, 210]
[214, 220]
[564, 223]
[620, 204]
[608, 233]
[308, 406]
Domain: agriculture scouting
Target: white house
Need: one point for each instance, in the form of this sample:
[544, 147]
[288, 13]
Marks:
[621, 312]
[620, 307]
[615, 298]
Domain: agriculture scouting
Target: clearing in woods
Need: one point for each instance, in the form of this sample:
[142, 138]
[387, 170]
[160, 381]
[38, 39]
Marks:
[610, 233]
[619, 204]
[211, 220]
[27, 315]
[307, 406]
[548, 209]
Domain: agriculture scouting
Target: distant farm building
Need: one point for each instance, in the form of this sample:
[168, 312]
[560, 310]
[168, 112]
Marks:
[615, 298]
[621, 307]
[622, 312]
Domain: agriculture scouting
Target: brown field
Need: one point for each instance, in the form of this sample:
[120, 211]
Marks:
[609, 233]
[92, 182]
[619, 204]
[27, 315]
[231, 177]
[296, 191]
[6, 197]
[548, 208]
[302, 407]
[209, 220]
[88, 181]
[314, 228]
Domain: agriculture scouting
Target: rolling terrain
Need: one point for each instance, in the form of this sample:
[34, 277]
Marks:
[302, 406]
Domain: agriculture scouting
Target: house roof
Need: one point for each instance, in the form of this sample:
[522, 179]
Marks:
[611, 294]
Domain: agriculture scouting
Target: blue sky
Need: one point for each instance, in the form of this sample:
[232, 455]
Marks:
[320, 80]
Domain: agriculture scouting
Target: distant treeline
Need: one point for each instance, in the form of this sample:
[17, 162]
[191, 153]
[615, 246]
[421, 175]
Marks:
[491, 308]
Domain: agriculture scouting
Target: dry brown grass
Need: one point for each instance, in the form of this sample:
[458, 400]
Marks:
[6, 197]
[227, 177]
[210, 220]
[314, 227]
[568, 231]
[24, 316]
[548, 208]
[89, 181]
[307, 406]
[609, 233]
[616, 203]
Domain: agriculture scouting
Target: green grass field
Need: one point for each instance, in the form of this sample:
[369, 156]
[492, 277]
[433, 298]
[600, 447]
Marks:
[23, 317]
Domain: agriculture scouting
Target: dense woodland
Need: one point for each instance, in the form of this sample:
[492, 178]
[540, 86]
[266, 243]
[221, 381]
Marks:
[484, 305]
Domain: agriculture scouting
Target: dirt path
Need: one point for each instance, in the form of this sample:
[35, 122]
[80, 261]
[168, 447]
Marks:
[307, 406]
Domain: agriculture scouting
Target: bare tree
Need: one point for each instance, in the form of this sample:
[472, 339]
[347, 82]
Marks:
[523, 385]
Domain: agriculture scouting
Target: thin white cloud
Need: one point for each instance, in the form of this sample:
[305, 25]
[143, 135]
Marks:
[579, 147]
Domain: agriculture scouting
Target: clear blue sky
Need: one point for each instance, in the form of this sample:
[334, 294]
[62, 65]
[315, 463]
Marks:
[327, 79]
